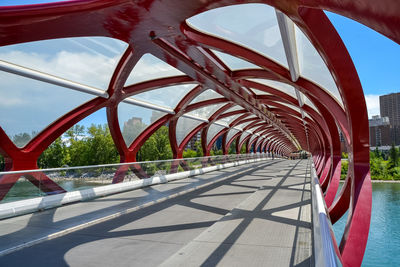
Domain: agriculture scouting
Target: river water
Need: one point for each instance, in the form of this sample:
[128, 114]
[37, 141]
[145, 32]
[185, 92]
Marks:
[383, 248]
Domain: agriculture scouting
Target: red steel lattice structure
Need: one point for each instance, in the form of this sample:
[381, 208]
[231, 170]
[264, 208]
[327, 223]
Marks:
[161, 29]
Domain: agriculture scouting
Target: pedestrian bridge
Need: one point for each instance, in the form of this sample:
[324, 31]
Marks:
[262, 78]
[255, 214]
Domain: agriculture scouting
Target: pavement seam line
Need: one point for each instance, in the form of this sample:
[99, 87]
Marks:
[115, 215]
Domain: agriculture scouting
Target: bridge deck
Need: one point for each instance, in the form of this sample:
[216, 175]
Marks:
[255, 215]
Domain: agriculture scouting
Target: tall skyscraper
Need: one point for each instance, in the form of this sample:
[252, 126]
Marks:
[390, 107]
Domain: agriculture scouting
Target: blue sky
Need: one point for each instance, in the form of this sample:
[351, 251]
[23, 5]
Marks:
[377, 59]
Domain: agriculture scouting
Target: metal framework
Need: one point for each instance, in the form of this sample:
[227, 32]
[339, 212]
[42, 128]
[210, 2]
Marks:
[272, 107]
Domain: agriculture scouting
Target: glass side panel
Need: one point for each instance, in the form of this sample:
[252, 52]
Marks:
[229, 119]
[212, 131]
[207, 111]
[260, 141]
[167, 96]
[206, 95]
[231, 133]
[251, 25]
[253, 137]
[133, 120]
[235, 63]
[313, 67]
[150, 67]
[27, 106]
[243, 136]
[286, 88]
[86, 60]
[184, 127]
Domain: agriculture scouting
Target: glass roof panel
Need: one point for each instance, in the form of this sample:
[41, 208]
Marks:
[234, 108]
[206, 95]
[133, 120]
[207, 111]
[184, 127]
[86, 60]
[150, 67]
[313, 67]
[243, 125]
[27, 106]
[296, 108]
[259, 92]
[167, 96]
[308, 102]
[231, 133]
[229, 119]
[243, 136]
[286, 88]
[234, 63]
[260, 32]
[212, 131]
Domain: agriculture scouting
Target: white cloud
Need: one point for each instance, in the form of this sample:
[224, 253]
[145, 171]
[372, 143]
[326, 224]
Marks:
[372, 105]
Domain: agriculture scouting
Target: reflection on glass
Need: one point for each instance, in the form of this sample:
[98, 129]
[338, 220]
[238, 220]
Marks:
[183, 127]
[206, 95]
[229, 119]
[148, 68]
[234, 108]
[260, 32]
[167, 96]
[230, 134]
[290, 106]
[285, 88]
[243, 136]
[86, 60]
[259, 92]
[312, 66]
[207, 111]
[235, 63]
[133, 120]
[212, 131]
[243, 125]
[28, 106]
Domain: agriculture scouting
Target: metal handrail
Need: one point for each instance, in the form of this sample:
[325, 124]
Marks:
[324, 246]
[126, 163]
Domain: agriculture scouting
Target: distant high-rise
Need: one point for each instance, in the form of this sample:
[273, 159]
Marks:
[379, 131]
[390, 107]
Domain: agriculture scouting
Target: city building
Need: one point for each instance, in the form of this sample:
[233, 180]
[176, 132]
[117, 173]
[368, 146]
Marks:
[390, 107]
[380, 131]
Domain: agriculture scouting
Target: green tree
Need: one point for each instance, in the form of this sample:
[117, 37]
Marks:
[232, 147]
[100, 148]
[198, 148]
[189, 153]
[345, 167]
[156, 147]
[394, 156]
[243, 149]
[54, 156]
[2, 163]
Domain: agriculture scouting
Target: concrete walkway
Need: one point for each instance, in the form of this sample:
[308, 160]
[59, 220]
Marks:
[256, 215]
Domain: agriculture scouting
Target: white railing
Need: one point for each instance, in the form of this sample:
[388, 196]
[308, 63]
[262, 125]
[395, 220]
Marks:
[324, 244]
